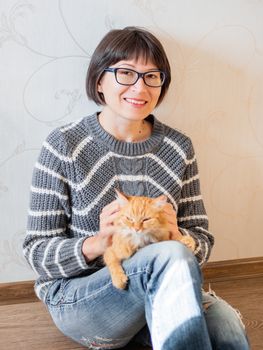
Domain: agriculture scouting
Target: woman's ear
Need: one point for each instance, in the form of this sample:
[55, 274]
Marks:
[99, 87]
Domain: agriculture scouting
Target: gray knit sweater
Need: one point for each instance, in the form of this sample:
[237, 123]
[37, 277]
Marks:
[78, 169]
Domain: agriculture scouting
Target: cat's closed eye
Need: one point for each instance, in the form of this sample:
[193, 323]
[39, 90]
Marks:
[147, 219]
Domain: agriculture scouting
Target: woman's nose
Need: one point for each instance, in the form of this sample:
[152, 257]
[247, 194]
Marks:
[139, 85]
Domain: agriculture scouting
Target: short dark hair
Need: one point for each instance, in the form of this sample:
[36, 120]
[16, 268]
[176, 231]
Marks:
[125, 44]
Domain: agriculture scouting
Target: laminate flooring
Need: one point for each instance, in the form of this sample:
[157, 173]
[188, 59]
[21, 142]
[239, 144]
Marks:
[28, 326]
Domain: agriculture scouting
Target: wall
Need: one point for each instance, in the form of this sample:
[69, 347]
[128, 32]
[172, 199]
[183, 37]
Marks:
[215, 49]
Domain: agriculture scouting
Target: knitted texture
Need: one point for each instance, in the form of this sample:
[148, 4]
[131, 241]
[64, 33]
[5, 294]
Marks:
[79, 167]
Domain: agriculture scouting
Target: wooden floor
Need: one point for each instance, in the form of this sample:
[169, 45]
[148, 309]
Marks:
[27, 326]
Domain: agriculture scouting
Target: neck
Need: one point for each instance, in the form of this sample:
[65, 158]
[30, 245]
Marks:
[125, 129]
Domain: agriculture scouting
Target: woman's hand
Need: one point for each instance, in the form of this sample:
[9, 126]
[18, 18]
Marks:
[171, 217]
[96, 245]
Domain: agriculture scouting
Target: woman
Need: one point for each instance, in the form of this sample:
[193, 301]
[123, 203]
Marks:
[73, 207]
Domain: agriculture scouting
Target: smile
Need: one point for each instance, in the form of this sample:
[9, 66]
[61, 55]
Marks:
[135, 102]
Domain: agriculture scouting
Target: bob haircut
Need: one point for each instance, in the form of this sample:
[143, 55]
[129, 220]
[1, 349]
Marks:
[125, 44]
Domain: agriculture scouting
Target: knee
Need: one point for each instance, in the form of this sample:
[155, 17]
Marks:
[173, 254]
[170, 251]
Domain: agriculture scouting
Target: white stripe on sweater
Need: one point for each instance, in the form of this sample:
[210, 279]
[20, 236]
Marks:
[206, 238]
[110, 184]
[75, 153]
[102, 160]
[57, 257]
[205, 250]
[191, 161]
[97, 199]
[166, 168]
[179, 150]
[46, 213]
[50, 172]
[197, 251]
[82, 232]
[46, 232]
[51, 242]
[190, 199]
[81, 185]
[185, 231]
[39, 190]
[175, 146]
[71, 125]
[204, 231]
[31, 253]
[94, 169]
[76, 248]
[193, 178]
[193, 217]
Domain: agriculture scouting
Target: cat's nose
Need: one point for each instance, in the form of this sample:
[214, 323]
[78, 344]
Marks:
[137, 227]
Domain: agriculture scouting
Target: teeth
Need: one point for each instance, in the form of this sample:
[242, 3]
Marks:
[136, 102]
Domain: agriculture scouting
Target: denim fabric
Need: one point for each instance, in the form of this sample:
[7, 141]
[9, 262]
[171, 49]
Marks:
[162, 305]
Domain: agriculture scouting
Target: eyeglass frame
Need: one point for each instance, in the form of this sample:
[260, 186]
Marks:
[139, 75]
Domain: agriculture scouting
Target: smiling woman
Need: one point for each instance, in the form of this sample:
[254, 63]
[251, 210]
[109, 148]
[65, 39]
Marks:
[73, 210]
[128, 100]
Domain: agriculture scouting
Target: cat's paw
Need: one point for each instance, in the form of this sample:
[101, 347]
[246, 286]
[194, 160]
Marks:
[189, 242]
[120, 281]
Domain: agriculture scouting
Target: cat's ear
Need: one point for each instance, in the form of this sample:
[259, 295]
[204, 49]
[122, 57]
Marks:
[121, 198]
[160, 201]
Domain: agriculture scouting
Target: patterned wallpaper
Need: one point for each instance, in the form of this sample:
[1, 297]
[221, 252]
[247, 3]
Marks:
[216, 53]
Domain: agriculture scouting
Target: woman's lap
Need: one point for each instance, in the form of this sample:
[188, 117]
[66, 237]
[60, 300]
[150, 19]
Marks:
[98, 308]
[94, 313]
[92, 309]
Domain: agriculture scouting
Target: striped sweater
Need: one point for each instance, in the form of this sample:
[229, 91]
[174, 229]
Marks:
[79, 167]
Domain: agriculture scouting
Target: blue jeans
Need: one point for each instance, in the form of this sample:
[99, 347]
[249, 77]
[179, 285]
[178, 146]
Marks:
[163, 306]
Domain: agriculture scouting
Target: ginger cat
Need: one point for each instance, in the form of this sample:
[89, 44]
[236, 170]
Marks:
[140, 222]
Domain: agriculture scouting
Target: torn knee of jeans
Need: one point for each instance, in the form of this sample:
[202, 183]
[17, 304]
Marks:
[99, 343]
[206, 305]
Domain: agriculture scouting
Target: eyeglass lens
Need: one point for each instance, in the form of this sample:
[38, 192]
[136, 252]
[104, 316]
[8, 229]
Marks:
[129, 77]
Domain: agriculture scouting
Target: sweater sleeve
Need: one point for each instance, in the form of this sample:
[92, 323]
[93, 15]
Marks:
[48, 247]
[192, 217]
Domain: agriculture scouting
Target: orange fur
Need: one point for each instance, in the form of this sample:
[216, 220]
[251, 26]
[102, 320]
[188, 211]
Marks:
[139, 223]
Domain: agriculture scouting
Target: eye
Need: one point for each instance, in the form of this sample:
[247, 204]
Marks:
[153, 76]
[128, 218]
[125, 72]
[147, 219]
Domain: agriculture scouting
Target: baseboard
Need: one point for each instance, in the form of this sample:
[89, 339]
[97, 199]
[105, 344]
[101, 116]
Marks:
[233, 269]
[17, 292]
[23, 292]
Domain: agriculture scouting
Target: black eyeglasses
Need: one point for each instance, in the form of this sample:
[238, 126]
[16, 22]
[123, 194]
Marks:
[126, 76]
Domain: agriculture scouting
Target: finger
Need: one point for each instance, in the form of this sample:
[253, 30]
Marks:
[168, 208]
[172, 226]
[169, 214]
[111, 207]
[108, 219]
[169, 211]
[108, 231]
[172, 222]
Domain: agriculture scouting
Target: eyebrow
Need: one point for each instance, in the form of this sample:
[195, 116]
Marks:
[133, 67]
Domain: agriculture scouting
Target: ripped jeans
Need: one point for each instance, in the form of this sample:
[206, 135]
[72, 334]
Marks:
[163, 306]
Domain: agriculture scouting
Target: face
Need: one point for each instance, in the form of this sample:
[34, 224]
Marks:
[133, 102]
